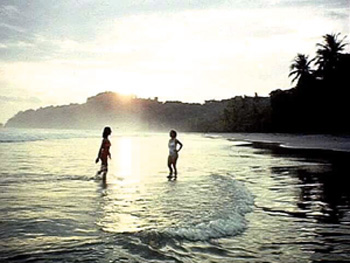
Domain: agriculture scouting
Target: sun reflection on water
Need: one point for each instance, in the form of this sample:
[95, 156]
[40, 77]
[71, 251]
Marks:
[129, 204]
[125, 155]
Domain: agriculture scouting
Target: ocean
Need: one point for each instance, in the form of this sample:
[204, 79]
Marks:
[238, 198]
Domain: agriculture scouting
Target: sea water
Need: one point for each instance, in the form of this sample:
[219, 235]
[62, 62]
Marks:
[231, 202]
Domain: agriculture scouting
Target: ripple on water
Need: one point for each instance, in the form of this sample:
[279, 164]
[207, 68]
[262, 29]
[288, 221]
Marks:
[211, 207]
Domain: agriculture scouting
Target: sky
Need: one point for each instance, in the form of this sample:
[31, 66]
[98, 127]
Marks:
[61, 52]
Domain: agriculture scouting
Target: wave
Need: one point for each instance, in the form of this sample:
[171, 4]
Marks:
[220, 212]
[227, 219]
[230, 226]
[212, 136]
[31, 135]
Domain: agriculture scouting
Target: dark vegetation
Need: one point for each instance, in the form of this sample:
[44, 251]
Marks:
[320, 100]
[319, 103]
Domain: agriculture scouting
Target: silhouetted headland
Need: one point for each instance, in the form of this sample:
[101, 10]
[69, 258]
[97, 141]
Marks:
[131, 113]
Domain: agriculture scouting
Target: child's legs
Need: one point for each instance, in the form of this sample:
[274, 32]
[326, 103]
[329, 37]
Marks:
[174, 164]
[169, 164]
[172, 159]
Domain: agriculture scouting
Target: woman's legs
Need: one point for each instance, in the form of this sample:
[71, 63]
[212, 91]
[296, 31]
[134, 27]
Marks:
[104, 168]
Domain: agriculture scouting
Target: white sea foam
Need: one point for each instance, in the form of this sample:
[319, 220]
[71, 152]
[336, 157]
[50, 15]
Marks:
[227, 218]
[230, 226]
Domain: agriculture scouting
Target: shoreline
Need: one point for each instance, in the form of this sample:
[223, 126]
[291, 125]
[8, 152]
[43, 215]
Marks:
[334, 156]
[293, 142]
[321, 148]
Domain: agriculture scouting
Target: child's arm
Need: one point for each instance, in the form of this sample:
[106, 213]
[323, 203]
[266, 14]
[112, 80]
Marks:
[177, 141]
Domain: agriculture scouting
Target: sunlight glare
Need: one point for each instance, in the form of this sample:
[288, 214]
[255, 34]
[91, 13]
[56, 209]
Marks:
[126, 166]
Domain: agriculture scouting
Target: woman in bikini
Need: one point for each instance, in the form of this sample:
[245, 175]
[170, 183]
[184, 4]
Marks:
[173, 153]
[104, 153]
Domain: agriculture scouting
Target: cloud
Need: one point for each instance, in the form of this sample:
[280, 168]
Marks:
[194, 32]
[20, 99]
[339, 14]
[12, 27]
[207, 36]
[185, 49]
[9, 10]
[95, 28]
[10, 105]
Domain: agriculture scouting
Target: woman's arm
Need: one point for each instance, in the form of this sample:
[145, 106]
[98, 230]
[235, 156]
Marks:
[108, 148]
[99, 152]
[178, 142]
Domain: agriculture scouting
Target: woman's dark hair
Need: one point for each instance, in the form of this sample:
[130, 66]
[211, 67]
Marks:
[106, 132]
[174, 133]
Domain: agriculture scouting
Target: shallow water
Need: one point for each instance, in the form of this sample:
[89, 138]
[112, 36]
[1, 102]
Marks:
[232, 202]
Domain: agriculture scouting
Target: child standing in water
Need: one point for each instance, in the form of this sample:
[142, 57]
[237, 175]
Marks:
[104, 153]
[173, 153]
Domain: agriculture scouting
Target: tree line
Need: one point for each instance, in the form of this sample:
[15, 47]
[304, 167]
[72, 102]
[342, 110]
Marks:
[318, 103]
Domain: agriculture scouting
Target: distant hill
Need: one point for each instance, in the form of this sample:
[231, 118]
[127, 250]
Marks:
[130, 113]
[126, 112]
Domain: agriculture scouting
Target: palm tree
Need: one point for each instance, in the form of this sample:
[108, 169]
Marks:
[329, 53]
[300, 67]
